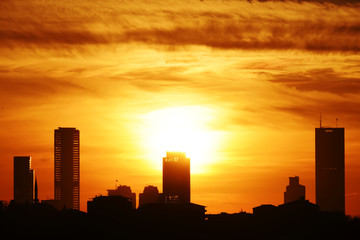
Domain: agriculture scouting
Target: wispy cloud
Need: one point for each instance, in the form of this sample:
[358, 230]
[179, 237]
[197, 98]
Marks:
[337, 2]
[257, 34]
[323, 80]
[211, 25]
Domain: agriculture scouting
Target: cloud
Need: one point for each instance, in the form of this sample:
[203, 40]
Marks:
[272, 25]
[46, 37]
[305, 108]
[337, 2]
[255, 36]
[322, 80]
[24, 90]
[37, 86]
[249, 34]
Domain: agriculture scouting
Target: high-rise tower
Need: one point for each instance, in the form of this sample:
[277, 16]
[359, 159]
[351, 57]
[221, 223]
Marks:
[23, 180]
[67, 167]
[176, 178]
[329, 168]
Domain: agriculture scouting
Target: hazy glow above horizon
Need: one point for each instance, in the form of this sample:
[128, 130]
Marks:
[184, 129]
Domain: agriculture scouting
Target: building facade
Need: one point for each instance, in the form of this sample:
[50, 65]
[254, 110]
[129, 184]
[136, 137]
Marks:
[67, 167]
[23, 180]
[294, 191]
[329, 169]
[176, 178]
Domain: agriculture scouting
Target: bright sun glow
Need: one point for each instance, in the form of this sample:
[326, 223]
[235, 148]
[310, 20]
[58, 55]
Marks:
[182, 129]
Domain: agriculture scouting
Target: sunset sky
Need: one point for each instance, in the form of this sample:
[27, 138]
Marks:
[237, 85]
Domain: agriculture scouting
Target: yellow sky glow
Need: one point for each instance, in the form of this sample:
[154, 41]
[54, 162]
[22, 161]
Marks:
[238, 86]
[182, 129]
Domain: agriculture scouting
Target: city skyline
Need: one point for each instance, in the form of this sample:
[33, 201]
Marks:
[329, 178]
[237, 85]
[322, 146]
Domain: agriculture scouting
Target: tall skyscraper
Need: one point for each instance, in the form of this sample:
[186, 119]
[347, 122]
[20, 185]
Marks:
[294, 191]
[23, 180]
[176, 178]
[330, 171]
[67, 167]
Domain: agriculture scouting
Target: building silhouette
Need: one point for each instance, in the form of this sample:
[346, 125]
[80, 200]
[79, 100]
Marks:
[265, 210]
[299, 207]
[330, 172]
[176, 178]
[36, 192]
[67, 167]
[116, 206]
[124, 191]
[294, 191]
[56, 204]
[23, 180]
[172, 215]
[150, 195]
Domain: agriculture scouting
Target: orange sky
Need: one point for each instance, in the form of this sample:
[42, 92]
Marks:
[245, 82]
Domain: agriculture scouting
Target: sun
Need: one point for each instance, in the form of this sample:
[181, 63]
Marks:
[184, 129]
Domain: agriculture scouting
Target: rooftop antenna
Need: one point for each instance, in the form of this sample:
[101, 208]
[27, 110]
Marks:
[320, 120]
[337, 120]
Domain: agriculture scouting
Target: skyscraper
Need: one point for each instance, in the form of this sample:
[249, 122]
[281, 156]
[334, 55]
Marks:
[176, 178]
[329, 168]
[67, 167]
[23, 180]
[294, 191]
